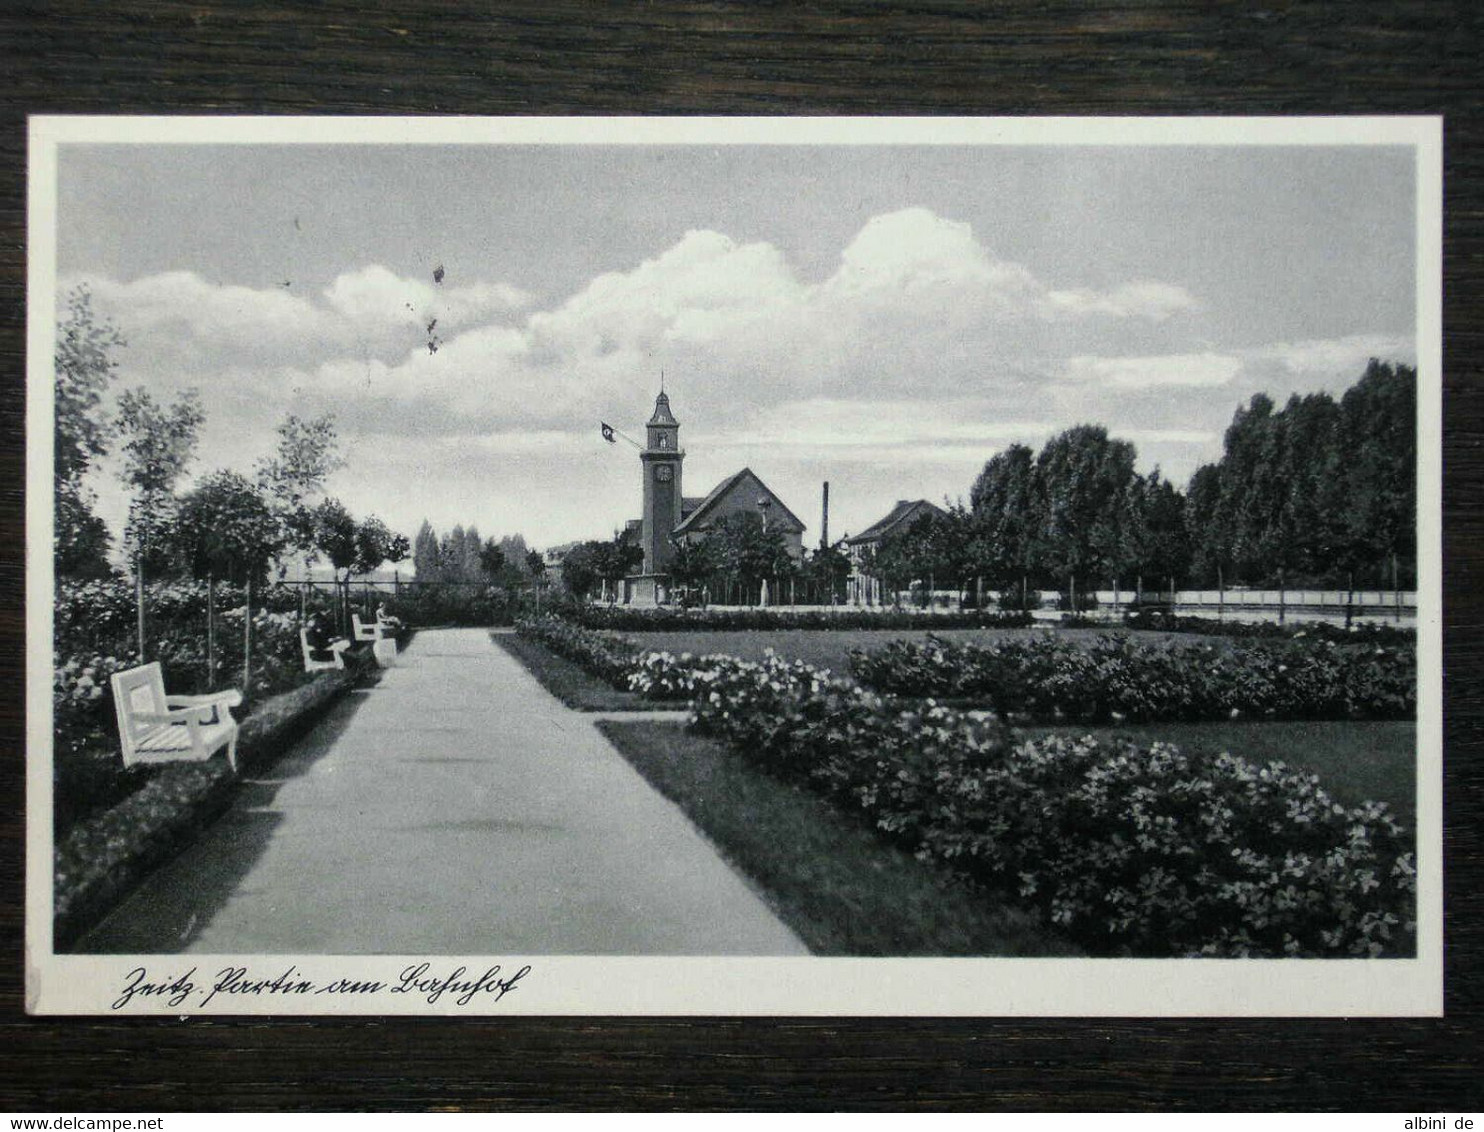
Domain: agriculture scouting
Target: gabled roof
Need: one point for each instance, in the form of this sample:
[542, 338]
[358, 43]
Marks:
[689, 503]
[694, 520]
[899, 518]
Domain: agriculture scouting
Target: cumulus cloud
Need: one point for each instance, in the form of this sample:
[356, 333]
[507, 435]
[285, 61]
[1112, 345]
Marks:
[1154, 301]
[179, 319]
[1326, 357]
[1200, 371]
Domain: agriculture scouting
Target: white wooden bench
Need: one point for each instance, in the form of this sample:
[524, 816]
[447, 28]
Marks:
[337, 650]
[364, 631]
[156, 728]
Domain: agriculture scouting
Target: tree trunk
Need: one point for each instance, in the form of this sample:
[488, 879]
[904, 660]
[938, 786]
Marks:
[1282, 599]
[1396, 589]
[211, 632]
[247, 640]
[139, 601]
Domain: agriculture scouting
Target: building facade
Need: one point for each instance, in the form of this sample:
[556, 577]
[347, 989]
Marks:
[671, 518]
[864, 587]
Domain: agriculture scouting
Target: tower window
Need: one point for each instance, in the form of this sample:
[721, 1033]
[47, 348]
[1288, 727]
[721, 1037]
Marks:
[664, 441]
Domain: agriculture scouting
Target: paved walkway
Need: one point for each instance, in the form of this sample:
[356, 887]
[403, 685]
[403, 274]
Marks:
[453, 808]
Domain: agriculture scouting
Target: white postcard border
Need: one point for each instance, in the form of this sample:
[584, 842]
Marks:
[568, 985]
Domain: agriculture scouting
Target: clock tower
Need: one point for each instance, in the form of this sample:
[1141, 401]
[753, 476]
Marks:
[661, 460]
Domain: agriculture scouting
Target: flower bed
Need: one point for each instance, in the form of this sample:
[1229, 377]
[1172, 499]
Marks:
[606, 655]
[1120, 678]
[1140, 851]
[94, 627]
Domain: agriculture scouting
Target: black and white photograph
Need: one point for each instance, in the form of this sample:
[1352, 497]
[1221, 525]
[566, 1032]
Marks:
[734, 566]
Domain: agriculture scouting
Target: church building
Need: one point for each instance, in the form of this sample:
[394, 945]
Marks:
[671, 517]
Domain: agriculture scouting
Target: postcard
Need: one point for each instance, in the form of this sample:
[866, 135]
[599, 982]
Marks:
[734, 566]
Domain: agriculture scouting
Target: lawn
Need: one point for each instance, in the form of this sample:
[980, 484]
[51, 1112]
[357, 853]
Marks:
[569, 682]
[1356, 761]
[826, 874]
[830, 648]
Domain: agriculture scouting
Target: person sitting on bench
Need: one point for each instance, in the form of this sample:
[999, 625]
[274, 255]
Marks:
[321, 640]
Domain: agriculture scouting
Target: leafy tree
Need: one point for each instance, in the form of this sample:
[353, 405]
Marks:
[580, 570]
[747, 551]
[694, 564]
[491, 561]
[158, 443]
[535, 564]
[335, 535]
[1157, 513]
[828, 570]
[516, 556]
[471, 568]
[377, 544]
[1376, 481]
[425, 561]
[229, 530]
[307, 453]
[1084, 479]
[84, 365]
[452, 555]
[1003, 504]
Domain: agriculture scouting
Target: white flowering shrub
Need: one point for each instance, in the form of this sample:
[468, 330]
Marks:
[1132, 850]
[95, 635]
[1119, 678]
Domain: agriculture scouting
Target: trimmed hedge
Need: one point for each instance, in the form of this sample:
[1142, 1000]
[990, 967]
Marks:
[1360, 632]
[606, 655]
[1137, 851]
[1122, 679]
[658, 620]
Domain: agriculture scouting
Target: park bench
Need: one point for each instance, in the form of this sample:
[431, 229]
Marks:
[367, 631]
[156, 728]
[337, 650]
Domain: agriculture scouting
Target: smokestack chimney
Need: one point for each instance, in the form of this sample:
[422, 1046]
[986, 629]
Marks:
[824, 526]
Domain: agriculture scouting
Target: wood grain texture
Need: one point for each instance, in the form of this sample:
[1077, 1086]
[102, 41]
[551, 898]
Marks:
[1129, 57]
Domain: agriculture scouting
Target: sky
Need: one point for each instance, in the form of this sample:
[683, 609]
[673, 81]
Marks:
[886, 318]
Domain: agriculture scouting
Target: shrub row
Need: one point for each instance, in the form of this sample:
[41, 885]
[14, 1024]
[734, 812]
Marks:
[420, 606]
[607, 656]
[1131, 850]
[1119, 678]
[1359, 632]
[660, 619]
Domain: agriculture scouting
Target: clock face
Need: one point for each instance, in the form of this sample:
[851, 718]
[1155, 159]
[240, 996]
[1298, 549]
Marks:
[663, 473]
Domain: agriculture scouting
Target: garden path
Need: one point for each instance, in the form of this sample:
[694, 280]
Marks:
[454, 808]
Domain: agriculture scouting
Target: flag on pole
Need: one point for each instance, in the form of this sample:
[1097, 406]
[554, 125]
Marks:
[607, 432]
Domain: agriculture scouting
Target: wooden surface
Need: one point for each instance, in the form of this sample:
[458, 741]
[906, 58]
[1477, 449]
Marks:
[1131, 57]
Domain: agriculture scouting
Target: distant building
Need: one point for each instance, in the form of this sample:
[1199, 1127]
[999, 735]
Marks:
[671, 517]
[865, 587]
[553, 557]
